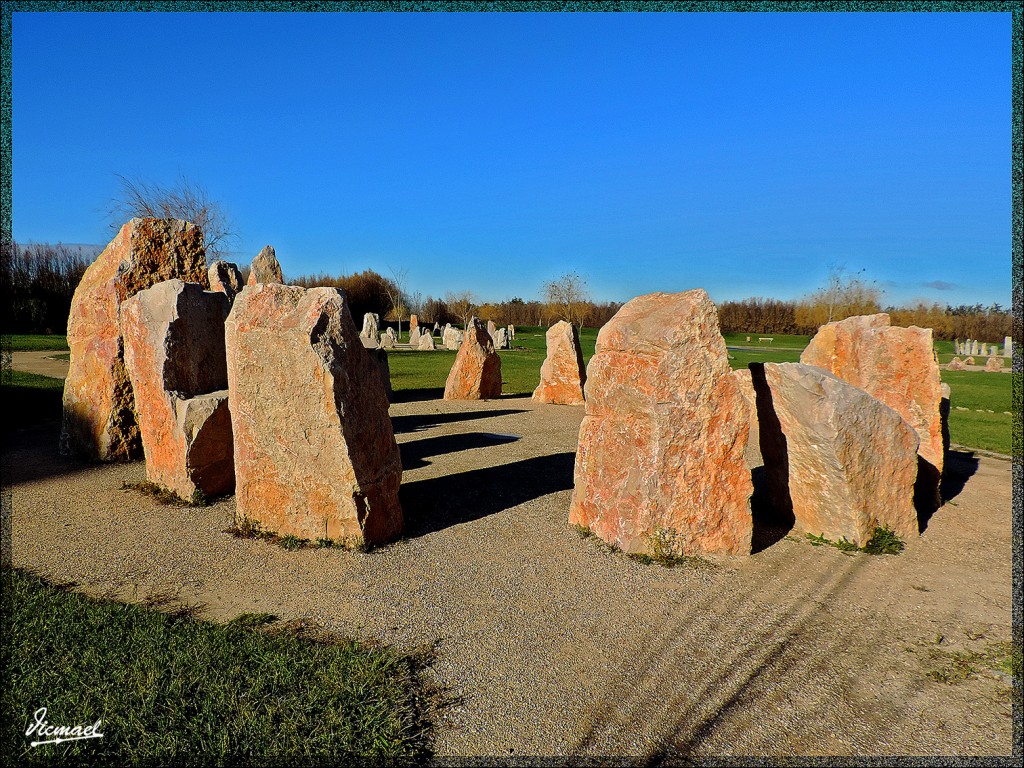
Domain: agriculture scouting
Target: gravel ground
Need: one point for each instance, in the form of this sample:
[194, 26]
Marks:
[547, 643]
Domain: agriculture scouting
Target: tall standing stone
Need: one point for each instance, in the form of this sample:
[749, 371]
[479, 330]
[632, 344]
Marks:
[225, 277]
[1007, 347]
[426, 342]
[660, 465]
[501, 339]
[511, 331]
[414, 336]
[99, 416]
[836, 458]
[414, 323]
[369, 336]
[491, 328]
[984, 349]
[315, 455]
[174, 354]
[562, 375]
[476, 372]
[265, 268]
[896, 366]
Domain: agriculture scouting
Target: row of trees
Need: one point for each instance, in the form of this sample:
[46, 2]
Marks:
[37, 282]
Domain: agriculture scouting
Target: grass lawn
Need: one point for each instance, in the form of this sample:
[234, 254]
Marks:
[777, 340]
[36, 342]
[980, 392]
[30, 399]
[170, 688]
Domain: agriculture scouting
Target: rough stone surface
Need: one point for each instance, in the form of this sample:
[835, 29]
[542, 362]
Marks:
[895, 365]
[956, 364]
[994, 364]
[371, 324]
[99, 417]
[746, 385]
[563, 375]
[414, 323]
[836, 458]
[452, 338]
[387, 340]
[174, 355]
[476, 372]
[315, 455]
[426, 342]
[414, 336]
[225, 277]
[491, 328]
[500, 338]
[265, 268]
[969, 361]
[660, 466]
[1007, 346]
[512, 332]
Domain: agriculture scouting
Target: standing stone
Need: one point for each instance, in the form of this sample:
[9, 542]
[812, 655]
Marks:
[437, 328]
[315, 455]
[956, 364]
[563, 375]
[387, 340]
[99, 410]
[1007, 347]
[984, 349]
[414, 323]
[174, 354]
[895, 365]
[369, 336]
[994, 364]
[501, 339]
[660, 465]
[491, 328]
[414, 335]
[969, 361]
[836, 458]
[975, 348]
[265, 268]
[453, 338]
[391, 332]
[225, 277]
[426, 342]
[511, 331]
[476, 373]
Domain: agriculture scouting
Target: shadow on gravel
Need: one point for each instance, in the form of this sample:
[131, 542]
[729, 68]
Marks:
[32, 454]
[440, 502]
[415, 395]
[770, 525]
[416, 422]
[414, 452]
[959, 467]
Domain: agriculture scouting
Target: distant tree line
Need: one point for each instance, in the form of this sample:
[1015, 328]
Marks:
[37, 282]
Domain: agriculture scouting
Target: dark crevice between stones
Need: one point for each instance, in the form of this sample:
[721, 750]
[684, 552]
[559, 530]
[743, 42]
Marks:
[771, 505]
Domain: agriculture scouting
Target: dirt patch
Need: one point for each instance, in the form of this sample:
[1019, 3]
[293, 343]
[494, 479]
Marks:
[547, 643]
[41, 363]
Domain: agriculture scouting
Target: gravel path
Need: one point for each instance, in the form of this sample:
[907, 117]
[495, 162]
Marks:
[548, 644]
[41, 363]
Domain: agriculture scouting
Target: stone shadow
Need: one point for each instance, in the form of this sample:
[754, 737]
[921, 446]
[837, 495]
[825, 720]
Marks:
[417, 395]
[416, 422]
[441, 502]
[771, 505]
[415, 451]
[959, 467]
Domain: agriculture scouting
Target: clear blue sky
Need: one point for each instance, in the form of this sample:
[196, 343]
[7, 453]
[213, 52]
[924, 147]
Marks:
[740, 153]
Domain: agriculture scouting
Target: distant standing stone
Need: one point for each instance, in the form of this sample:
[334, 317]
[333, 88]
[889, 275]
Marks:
[501, 339]
[511, 332]
[562, 375]
[994, 364]
[1007, 347]
[476, 373]
[956, 364]
[426, 342]
[265, 267]
[369, 332]
[414, 336]
[414, 323]
[491, 328]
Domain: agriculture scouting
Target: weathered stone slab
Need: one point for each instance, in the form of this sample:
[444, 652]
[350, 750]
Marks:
[836, 458]
[426, 342]
[371, 323]
[99, 416]
[895, 365]
[476, 372]
[225, 277]
[746, 385]
[994, 364]
[452, 338]
[562, 375]
[1007, 347]
[500, 338]
[491, 328]
[174, 352]
[265, 268]
[414, 323]
[660, 464]
[414, 336]
[956, 364]
[512, 332]
[315, 455]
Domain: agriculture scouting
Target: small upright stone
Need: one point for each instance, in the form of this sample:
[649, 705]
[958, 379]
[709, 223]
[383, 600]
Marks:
[511, 332]
[174, 354]
[426, 342]
[414, 323]
[491, 328]
[387, 340]
[369, 335]
[476, 373]
[984, 349]
[99, 407]
[226, 278]
[265, 268]
[842, 462]
[563, 375]
[1007, 347]
[660, 465]
[315, 455]
[501, 339]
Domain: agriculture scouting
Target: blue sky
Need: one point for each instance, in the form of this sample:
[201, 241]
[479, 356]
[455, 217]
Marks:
[741, 153]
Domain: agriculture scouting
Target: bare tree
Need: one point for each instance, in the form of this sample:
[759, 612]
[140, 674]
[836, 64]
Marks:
[568, 298]
[397, 295]
[462, 304]
[184, 200]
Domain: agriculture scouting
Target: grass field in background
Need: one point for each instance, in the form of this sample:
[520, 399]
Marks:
[170, 688]
[36, 342]
[418, 375]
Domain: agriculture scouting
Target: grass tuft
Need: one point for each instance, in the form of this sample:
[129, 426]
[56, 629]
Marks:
[165, 495]
[882, 542]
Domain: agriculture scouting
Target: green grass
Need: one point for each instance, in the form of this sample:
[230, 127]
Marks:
[36, 342]
[777, 340]
[882, 542]
[169, 688]
[979, 393]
